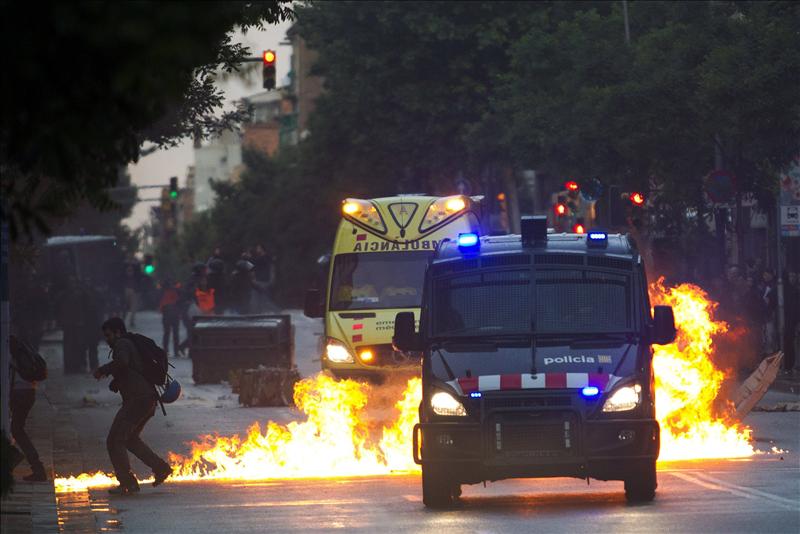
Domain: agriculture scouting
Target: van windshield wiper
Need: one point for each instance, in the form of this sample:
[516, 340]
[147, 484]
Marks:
[447, 368]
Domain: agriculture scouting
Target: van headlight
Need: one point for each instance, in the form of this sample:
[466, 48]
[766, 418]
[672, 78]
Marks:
[624, 399]
[337, 352]
[444, 403]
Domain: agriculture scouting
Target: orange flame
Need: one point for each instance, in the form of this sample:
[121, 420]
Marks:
[337, 439]
[687, 382]
[333, 440]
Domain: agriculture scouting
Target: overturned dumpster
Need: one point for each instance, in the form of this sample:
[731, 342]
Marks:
[226, 343]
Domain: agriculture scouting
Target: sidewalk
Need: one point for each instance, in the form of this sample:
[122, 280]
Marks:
[787, 384]
[31, 507]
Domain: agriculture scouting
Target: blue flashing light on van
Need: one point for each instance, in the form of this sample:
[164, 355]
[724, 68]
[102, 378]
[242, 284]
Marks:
[468, 240]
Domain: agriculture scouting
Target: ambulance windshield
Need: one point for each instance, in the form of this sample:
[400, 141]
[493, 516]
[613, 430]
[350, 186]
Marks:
[378, 280]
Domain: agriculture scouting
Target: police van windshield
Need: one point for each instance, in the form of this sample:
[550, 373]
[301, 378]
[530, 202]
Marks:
[504, 302]
[378, 280]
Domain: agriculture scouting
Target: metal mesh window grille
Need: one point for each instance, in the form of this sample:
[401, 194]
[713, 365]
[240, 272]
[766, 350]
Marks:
[484, 303]
[591, 302]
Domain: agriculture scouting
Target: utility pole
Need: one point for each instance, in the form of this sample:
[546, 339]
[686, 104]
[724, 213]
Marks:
[5, 323]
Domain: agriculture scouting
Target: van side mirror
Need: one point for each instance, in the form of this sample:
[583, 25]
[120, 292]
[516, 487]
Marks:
[313, 306]
[663, 326]
[405, 334]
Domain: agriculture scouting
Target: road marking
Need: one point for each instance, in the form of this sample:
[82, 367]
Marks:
[718, 485]
[754, 491]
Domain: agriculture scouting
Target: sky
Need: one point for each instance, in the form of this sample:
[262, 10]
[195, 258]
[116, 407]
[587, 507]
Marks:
[157, 167]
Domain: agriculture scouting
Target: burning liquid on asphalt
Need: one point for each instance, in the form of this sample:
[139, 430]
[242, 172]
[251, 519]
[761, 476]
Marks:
[336, 438]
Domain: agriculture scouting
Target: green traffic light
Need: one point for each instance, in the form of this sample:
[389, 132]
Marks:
[173, 194]
[149, 269]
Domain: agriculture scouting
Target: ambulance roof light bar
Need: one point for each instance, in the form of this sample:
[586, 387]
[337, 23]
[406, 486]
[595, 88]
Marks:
[534, 230]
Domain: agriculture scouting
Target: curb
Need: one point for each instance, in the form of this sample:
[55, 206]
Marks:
[786, 386]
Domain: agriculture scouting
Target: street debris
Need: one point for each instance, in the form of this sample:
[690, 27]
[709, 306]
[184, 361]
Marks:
[755, 387]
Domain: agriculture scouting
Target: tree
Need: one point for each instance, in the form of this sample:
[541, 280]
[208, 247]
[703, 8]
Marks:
[407, 86]
[89, 83]
[696, 77]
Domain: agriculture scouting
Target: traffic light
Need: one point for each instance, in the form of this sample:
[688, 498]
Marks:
[572, 185]
[636, 198]
[149, 268]
[560, 209]
[268, 69]
[173, 188]
[578, 228]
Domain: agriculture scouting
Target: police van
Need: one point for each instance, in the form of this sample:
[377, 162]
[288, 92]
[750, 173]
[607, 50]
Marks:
[537, 362]
[377, 267]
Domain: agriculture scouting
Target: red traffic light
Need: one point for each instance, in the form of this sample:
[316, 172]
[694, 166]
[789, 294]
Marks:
[560, 209]
[572, 185]
[636, 198]
[578, 229]
[269, 57]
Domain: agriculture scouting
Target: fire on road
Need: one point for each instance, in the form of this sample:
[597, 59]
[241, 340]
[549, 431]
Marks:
[338, 439]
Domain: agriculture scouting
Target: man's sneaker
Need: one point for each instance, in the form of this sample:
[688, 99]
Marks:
[125, 489]
[36, 476]
[161, 475]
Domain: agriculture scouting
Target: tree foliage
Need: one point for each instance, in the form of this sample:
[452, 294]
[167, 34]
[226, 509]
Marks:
[407, 84]
[417, 91]
[86, 84]
[695, 77]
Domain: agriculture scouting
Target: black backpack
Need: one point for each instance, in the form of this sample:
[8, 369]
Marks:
[153, 359]
[27, 362]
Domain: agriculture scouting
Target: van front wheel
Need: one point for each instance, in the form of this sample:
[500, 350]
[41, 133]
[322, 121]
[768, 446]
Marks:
[641, 485]
[438, 489]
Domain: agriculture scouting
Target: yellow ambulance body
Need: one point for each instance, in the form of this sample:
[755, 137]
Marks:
[379, 257]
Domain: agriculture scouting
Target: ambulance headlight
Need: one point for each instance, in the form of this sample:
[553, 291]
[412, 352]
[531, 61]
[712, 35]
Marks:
[337, 352]
[444, 403]
[624, 399]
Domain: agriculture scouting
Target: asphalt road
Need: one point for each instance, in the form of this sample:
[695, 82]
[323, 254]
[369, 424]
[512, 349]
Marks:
[761, 494]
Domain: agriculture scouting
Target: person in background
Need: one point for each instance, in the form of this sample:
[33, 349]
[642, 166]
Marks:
[139, 399]
[791, 317]
[204, 297]
[21, 401]
[264, 272]
[93, 312]
[130, 283]
[186, 299]
[769, 296]
[242, 288]
[216, 281]
[170, 315]
[216, 255]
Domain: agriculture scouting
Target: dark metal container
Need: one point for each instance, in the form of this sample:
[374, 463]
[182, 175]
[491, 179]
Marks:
[224, 343]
